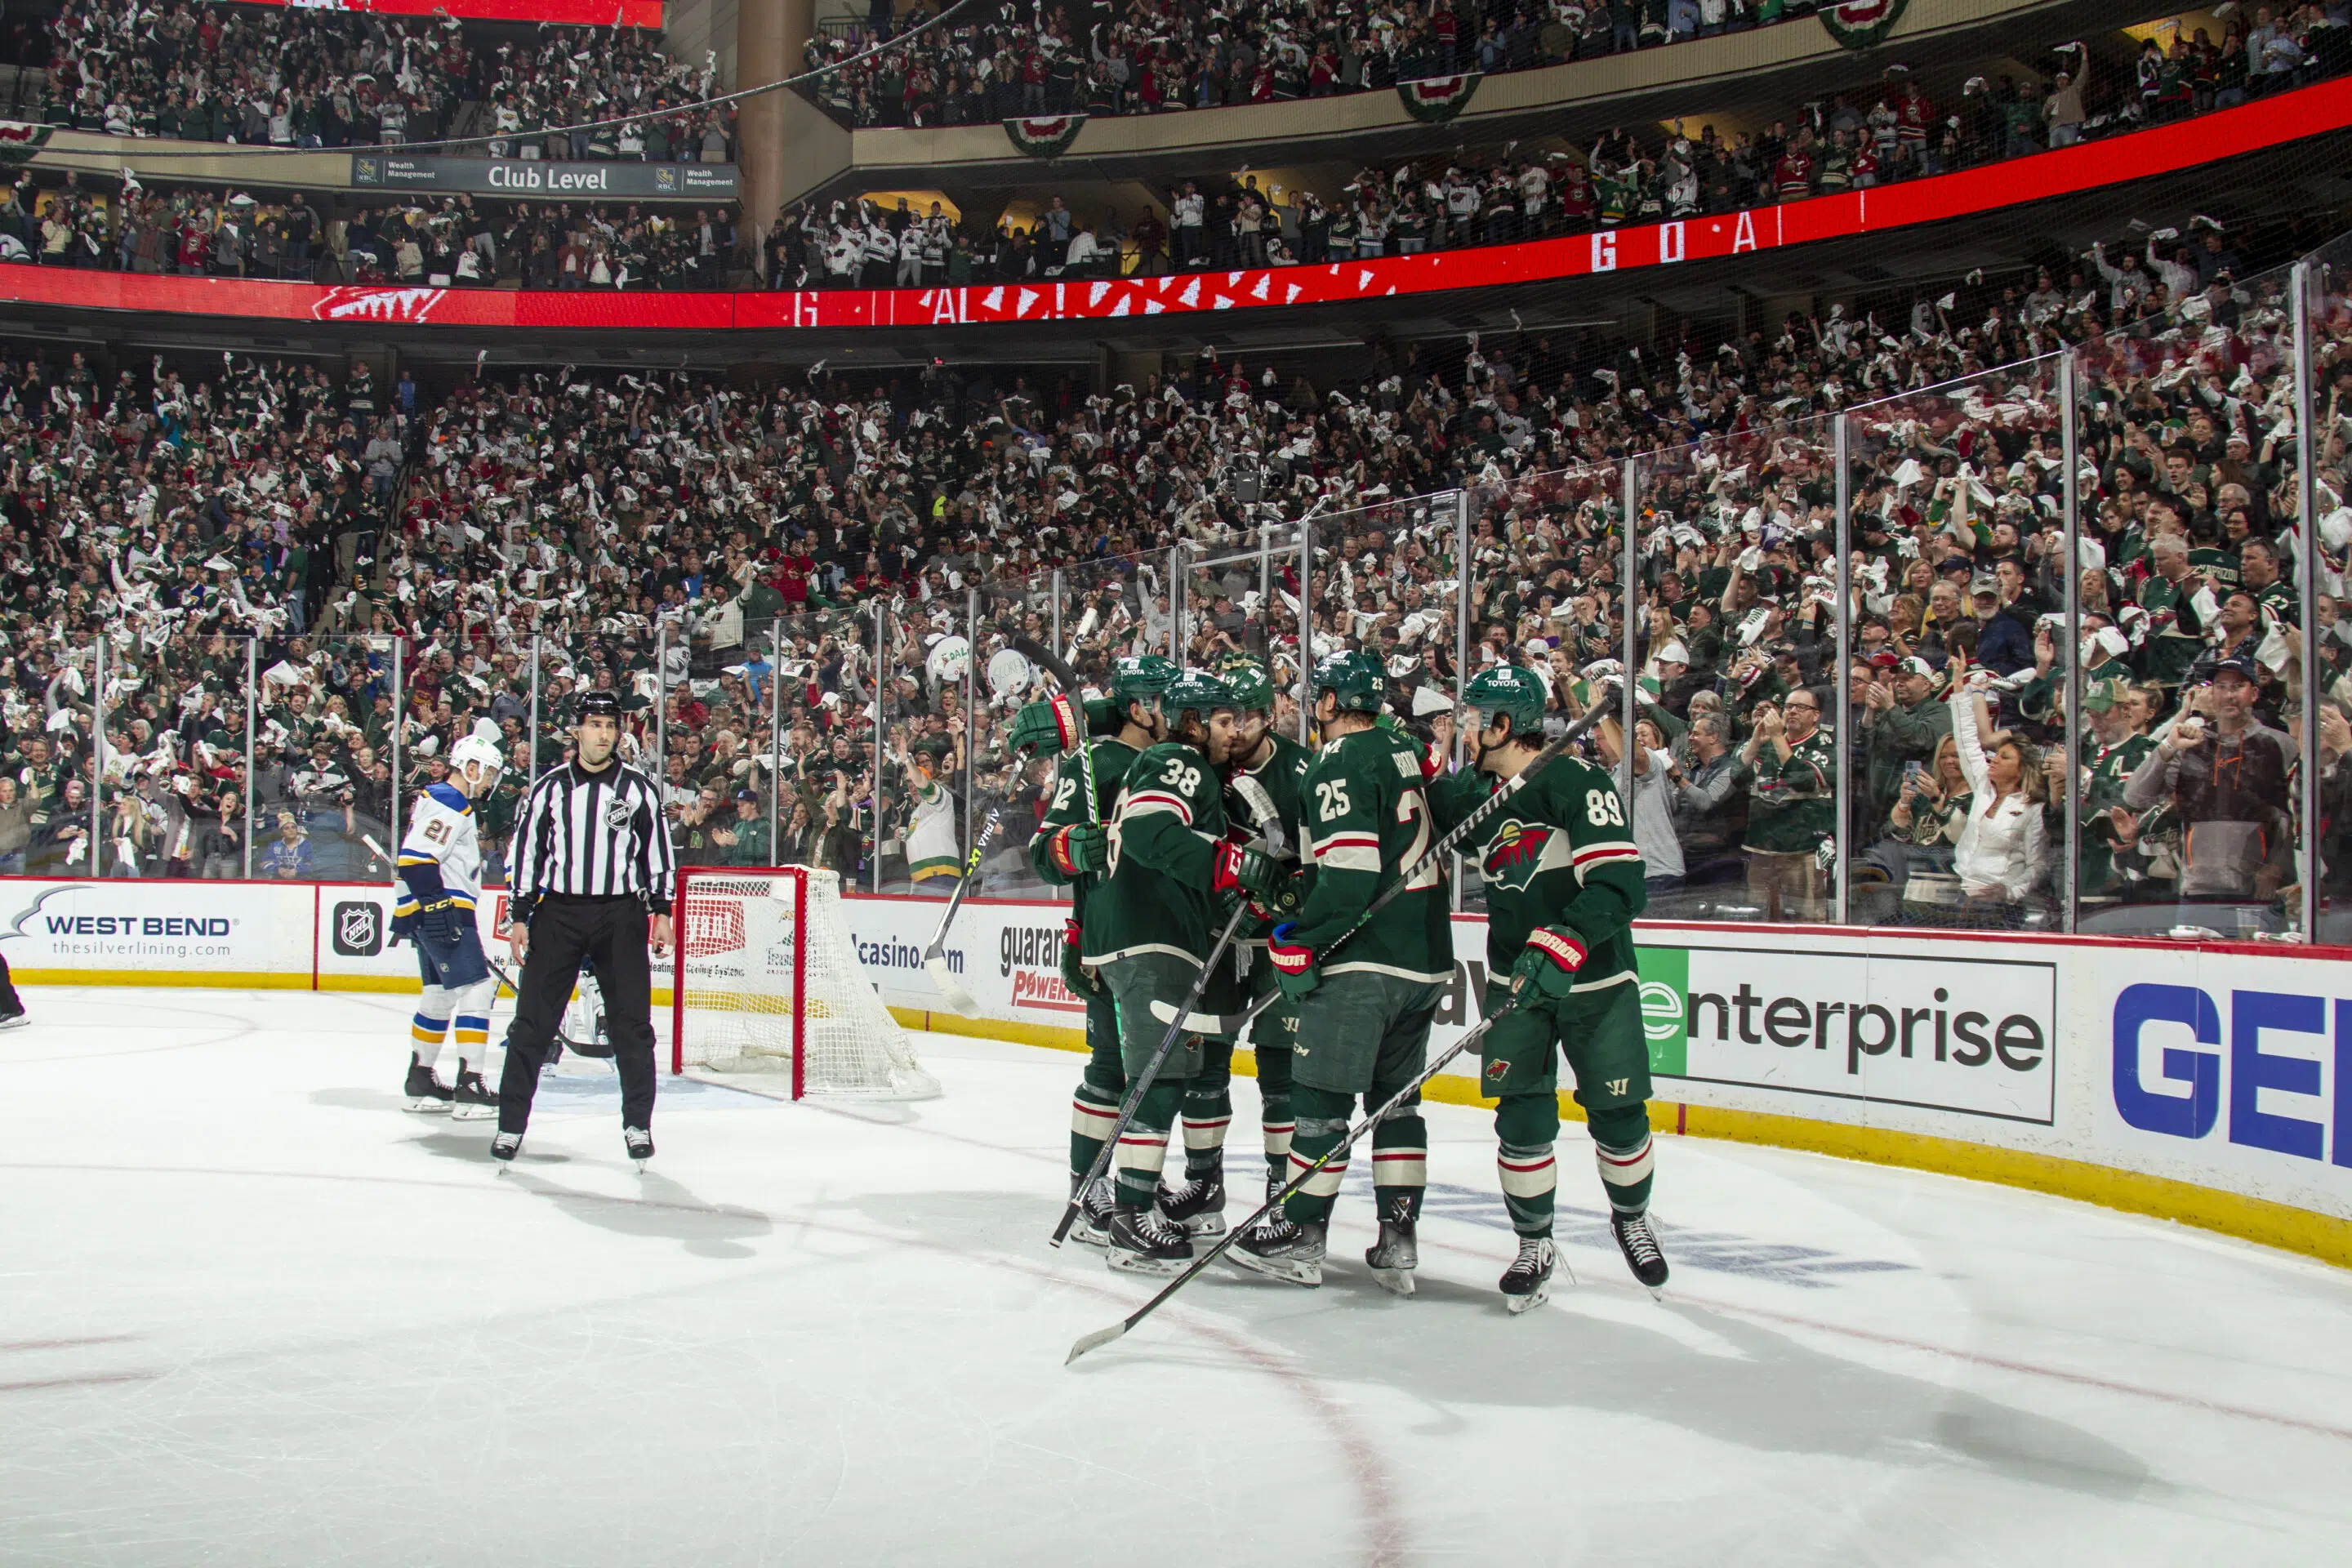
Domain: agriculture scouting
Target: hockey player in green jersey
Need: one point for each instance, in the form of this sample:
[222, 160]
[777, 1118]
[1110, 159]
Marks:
[1148, 930]
[1260, 804]
[1563, 886]
[1365, 1006]
[1070, 849]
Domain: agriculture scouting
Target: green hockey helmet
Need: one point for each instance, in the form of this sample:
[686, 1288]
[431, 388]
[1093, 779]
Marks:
[1359, 680]
[1141, 678]
[1196, 691]
[1506, 690]
[1251, 688]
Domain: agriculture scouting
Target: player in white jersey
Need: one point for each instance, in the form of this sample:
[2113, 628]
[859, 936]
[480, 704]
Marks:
[440, 872]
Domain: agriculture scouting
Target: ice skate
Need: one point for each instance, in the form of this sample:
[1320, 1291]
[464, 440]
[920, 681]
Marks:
[1143, 1241]
[16, 1020]
[1197, 1209]
[1639, 1243]
[426, 1093]
[1092, 1227]
[505, 1147]
[1527, 1281]
[472, 1100]
[1394, 1257]
[1282, 1250]
[640, 1142]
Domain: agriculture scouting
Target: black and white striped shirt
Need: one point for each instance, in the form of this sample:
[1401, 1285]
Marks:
[592, 835]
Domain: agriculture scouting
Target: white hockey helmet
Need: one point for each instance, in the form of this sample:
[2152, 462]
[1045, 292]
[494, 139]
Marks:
[481, 746]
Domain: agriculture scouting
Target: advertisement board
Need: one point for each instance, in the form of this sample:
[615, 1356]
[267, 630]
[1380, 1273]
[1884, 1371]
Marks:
[2224, 1068]
[1975, 1034]
[160, 928]
[535, 179]
[2276, 119]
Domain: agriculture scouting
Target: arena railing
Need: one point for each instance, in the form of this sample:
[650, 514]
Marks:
[2270, 123]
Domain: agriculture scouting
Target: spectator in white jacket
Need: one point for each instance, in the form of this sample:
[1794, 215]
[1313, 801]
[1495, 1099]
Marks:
[2003, 854]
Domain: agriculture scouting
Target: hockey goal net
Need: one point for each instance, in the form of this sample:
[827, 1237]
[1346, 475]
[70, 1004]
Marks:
[767, 981]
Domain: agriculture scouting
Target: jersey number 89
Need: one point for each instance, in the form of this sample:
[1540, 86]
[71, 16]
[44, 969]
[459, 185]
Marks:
[1601, 808]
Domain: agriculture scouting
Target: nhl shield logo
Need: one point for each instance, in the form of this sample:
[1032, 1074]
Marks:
[616, 815]
[358, 930]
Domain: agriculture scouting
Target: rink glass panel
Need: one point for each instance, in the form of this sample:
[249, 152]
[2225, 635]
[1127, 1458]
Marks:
[2233, 862]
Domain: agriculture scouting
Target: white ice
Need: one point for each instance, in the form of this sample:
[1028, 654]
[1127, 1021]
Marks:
[253, 1313]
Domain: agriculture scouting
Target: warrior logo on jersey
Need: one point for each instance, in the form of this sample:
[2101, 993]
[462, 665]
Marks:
[1517, 854]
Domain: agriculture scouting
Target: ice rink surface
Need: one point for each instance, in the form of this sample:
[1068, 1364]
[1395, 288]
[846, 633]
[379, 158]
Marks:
[253, 1313]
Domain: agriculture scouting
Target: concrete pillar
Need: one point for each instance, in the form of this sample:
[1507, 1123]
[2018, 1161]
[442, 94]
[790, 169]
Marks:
[769, 36]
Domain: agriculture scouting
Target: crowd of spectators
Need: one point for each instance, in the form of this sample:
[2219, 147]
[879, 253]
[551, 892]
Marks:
[1152, 55]
[763, 570]
[453, 241]
[295, 77]
[1152, 58]
[1859, 139]
[179, 517]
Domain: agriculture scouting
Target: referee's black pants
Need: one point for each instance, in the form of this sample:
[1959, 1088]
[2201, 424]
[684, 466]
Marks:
[610, 932]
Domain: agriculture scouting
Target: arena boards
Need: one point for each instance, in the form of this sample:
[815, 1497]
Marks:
[2268, 122]
[2207, 1082]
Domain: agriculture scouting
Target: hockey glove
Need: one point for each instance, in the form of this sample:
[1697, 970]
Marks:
[1074, 968]
[436, 923]
[1052, 724]
[1549, 961]
[1294, 963]
[1078, 849]
[1236, 869]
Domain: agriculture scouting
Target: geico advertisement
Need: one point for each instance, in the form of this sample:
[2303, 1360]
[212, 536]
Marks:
[253, 928]
[2230, 1066]
[1944, 1033]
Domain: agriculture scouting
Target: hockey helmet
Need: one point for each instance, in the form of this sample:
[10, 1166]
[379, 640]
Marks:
[1196, 691]
[1246, 679]
[1141, 678]
[479, 746]
[1358, 680]
[1507, 691]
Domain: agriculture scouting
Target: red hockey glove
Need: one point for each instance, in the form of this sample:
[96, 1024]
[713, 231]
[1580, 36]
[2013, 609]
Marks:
[1550, 958]
[1294, 962]
[1077, 848]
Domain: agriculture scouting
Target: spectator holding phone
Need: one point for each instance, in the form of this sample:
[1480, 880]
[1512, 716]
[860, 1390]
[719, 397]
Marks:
[2226, 777]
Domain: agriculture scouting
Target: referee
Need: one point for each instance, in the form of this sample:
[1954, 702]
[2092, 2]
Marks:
[593, 866]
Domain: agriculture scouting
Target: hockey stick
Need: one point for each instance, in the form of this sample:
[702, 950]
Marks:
[1053, 664]
[595, 1049]
[1143, 1081]
[935, 957]
[1234, 1023]
[1101, 1337]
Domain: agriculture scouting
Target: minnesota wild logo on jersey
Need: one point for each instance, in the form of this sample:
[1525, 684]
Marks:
[1519, 851]
[1561, 853]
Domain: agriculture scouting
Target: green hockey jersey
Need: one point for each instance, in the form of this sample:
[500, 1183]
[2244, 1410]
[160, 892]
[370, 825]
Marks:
[1560, 852]
[1154, 895]
[1368, 820]
[1067, 805]
[1263, 802]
